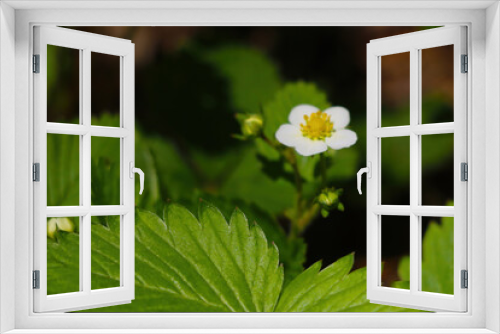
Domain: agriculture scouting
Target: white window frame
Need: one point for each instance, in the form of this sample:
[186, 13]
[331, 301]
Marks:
[16, 21]
[86, 44]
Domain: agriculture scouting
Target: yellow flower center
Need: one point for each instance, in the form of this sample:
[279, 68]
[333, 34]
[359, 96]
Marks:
[317, 126]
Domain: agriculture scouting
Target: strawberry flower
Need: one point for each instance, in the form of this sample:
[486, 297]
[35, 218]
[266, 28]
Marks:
[311, 131]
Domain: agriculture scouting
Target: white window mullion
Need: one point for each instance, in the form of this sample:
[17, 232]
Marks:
[414, 171]
[85, 163]
[373, 184]
[127, 102]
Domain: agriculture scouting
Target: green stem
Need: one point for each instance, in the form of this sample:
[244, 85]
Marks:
[295, 229]
[322, 161]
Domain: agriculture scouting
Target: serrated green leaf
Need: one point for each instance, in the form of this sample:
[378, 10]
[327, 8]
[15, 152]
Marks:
[292, 251]
[185, 264]
[252, 77]
[332, 289]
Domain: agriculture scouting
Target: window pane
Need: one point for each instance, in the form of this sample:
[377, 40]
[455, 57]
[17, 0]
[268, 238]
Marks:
[105, 72]
[437, 169]
[437, 84]
[395, 183]
[395, 251]
[63, 170]
[437, 255]
[63, 255]
[105, 171]
[105, 256]
[395, 82]
[63, 84]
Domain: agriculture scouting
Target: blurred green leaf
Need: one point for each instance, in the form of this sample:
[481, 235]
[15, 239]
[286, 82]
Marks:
[333, 289]
[252, 77]
[247, 182]
[212, 168]
[168, 176]
[437, 259]
[105, 171]
[63, 165]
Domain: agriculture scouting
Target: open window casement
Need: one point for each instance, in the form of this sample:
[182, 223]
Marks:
[84, 209]
[412, 133]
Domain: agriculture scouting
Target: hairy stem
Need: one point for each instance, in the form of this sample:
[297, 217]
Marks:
[295, 229]
[322, 161]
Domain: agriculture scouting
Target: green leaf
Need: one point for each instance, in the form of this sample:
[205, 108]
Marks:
[253, 78]
[63, 170]
[276, 111]
[184, 264]
[332, 289]
[437, 259]
[249, 183]
[292, 251]
[168, 176]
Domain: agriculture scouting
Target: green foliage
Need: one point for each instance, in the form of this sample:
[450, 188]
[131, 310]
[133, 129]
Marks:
[105, 171]
[184, 264]
[63, 170]
[249, 183]
[437, 259]
[63, 258]
[168, 176]
[292, 251]
[252, 77]
[333, 289]
[204, 264]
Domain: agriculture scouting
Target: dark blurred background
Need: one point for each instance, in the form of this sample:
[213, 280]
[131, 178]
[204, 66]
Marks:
[182, 97]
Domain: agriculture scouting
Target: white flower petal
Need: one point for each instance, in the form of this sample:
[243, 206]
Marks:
[341, 139]
[307, 147]
[289, 135]
[339, 116]
[297, 114]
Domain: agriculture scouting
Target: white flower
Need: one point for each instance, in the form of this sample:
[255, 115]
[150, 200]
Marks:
[312, 131]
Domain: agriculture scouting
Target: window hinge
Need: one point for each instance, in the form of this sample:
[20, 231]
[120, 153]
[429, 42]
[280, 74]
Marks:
[36, 63]
[36, 172]
[465, 64]
[464, 171]
[36, 279]
[464, 279]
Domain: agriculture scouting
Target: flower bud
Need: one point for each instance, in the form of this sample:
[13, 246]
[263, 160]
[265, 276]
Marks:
[251, 125]
[62, 224]
[328, 200]
[325, 200]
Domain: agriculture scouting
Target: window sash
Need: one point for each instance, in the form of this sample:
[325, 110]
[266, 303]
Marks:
[86, 43]
[413, 43]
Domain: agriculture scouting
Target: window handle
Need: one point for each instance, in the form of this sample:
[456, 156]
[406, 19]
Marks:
[368, 171]
[141, 176]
